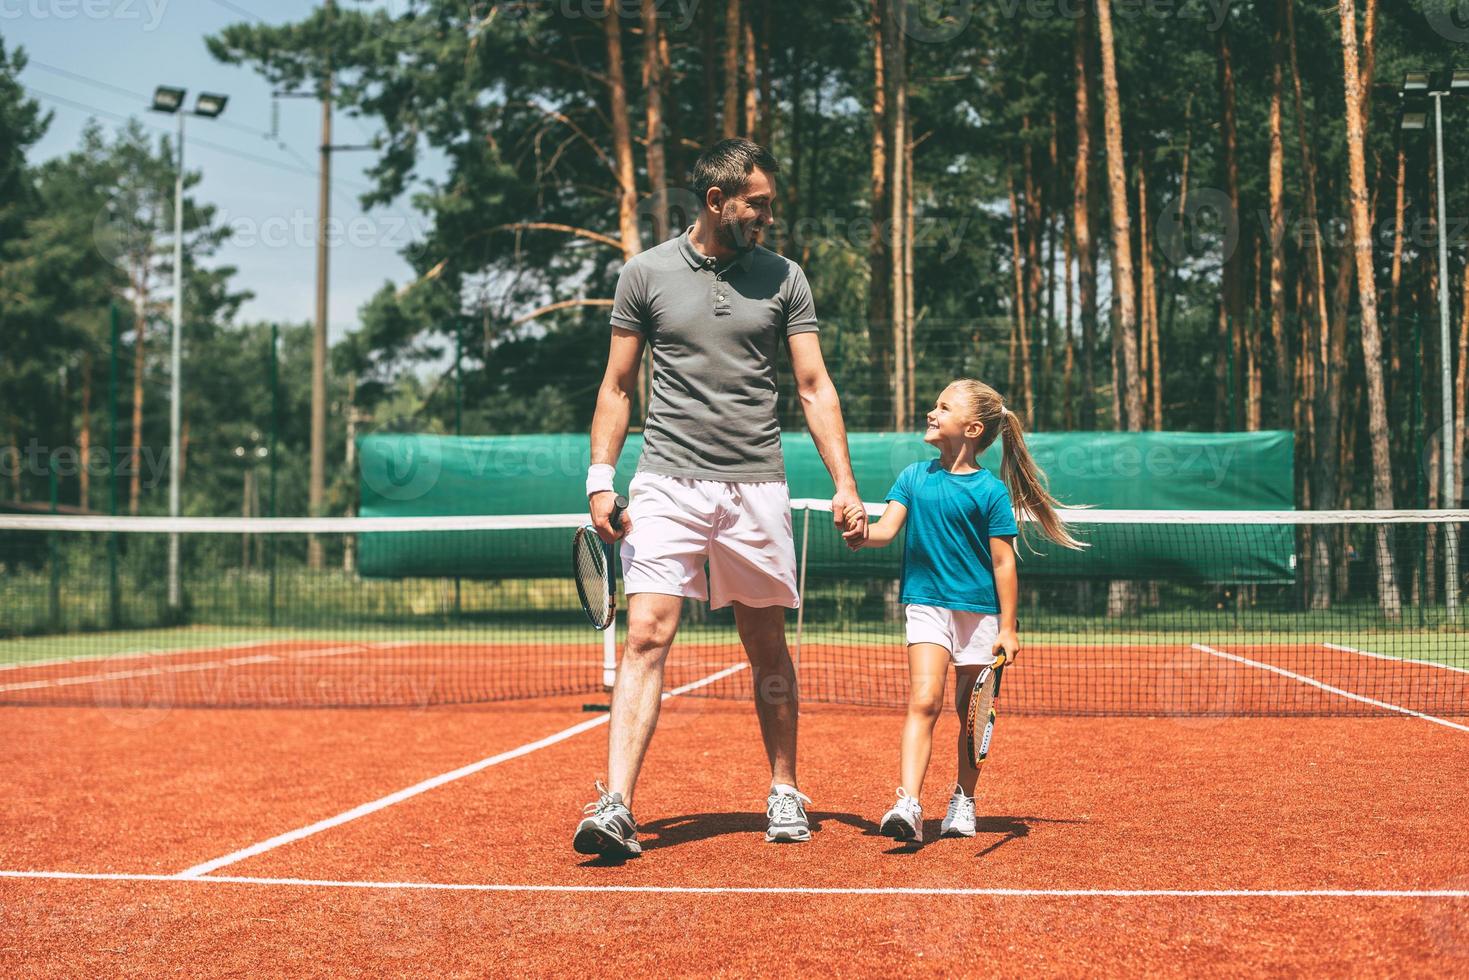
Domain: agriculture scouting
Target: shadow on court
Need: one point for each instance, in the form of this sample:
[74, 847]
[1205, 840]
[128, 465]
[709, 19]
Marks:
[1008, 828]
[686, 829]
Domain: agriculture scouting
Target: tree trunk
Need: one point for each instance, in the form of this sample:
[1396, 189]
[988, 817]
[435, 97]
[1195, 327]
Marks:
[879, 261]
[1461, 389]
[1033, 297]
[1047, 410]
[1232, 295]
[84, 438]
[766, 112]
[1367, 299]
[731, 68]
[654, 83]
[140, 366]
[1152, 370]
[1068, 370]
[1019, 375]
[751, 80]
[895, 64]
[1312, 339]
[910, 312]
[1081, 226]
[707, 69]
[1283, 367]
[1395, 278]
[1122, 274]
[626, 176]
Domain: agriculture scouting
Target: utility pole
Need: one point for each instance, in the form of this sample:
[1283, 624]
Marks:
[317, 492]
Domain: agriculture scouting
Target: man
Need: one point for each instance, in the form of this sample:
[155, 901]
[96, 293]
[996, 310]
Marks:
[715, 306]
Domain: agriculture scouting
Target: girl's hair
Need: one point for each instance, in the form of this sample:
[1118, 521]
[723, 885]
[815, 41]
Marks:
[1027, 483]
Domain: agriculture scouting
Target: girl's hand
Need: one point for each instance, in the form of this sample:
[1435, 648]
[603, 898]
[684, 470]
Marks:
[1009, 642]
[854, 517]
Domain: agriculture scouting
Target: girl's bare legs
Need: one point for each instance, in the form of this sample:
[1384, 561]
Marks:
[928, 669]
[964, 678]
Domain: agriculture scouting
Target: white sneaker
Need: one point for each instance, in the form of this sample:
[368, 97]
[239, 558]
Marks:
[787, 815]
[959, 821]
[904, 821]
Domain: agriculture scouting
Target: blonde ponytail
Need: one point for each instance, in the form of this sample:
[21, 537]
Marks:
[1028, 490]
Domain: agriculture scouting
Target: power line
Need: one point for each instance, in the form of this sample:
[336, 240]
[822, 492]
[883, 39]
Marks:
[193, 140]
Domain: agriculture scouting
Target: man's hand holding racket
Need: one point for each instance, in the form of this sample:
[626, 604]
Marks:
[601, 507]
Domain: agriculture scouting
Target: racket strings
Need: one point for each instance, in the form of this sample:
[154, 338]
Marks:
[591, 576]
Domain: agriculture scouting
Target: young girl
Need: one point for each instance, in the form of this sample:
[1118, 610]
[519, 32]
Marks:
[959, 584]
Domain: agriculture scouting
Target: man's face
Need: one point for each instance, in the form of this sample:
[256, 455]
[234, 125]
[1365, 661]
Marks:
[744, 218]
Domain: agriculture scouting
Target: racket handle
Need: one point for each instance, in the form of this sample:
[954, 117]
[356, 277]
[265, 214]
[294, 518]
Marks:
[619, 507]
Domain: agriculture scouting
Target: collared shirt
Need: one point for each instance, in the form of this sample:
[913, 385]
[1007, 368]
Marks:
[714, 331]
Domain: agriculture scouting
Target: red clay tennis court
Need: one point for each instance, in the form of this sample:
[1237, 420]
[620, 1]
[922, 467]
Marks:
[142, 835]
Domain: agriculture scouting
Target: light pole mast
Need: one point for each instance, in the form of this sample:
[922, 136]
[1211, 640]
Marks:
[170, 100]
[175, 408]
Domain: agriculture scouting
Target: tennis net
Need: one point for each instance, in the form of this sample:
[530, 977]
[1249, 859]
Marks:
[1165, 613]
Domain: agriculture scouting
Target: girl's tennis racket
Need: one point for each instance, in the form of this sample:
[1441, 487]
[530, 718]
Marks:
[979, 723]
[591, 562]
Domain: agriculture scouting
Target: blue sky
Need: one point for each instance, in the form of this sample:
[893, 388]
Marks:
[102, 59]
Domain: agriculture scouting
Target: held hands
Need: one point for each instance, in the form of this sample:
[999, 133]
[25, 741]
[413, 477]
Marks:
[848, 514]
[853, 515]
[1008, 643]
[600, 505]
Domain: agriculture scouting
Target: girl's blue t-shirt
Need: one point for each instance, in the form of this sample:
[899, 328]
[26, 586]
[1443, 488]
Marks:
[951, 518]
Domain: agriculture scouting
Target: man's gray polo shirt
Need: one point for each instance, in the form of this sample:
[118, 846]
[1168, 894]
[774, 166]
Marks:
[714, 332]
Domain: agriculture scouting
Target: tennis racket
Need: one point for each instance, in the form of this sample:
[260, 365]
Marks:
[591, 562]
[979, 723]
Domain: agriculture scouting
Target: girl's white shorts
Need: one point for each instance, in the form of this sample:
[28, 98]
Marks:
[968, 636]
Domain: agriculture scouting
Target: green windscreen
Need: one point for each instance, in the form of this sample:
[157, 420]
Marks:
[425, 474]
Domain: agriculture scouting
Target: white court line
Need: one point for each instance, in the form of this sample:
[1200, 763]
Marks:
[1396, 660]
[1415, 893]
[1328, 688]
[118, 675]
[137, 654]
[300, 833]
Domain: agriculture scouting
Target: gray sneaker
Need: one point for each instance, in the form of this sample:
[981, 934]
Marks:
[608, 829]
[788, 823]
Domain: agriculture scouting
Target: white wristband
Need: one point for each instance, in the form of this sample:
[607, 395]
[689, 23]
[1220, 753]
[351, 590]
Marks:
[600, 477]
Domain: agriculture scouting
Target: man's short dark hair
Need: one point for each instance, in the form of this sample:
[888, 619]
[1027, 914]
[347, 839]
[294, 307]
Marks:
[727, 165]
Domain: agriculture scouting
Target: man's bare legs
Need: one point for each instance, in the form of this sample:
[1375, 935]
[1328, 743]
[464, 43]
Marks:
[777, 700]
[652, 622]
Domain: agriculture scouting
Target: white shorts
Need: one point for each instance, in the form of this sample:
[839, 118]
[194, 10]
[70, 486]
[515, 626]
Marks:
[743, 530]
[968, 636]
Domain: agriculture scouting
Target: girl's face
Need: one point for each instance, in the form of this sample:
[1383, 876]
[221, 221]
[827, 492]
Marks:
[949, 420]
